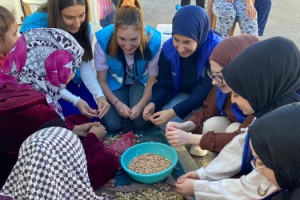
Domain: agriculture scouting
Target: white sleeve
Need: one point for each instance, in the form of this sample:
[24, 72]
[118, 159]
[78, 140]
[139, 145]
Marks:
[153, 64]
[228, 162]
[88, 76]
[244, 188]
[99, 58]
[68, 96]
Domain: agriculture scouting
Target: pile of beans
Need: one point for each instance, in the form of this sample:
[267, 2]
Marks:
[159, 191]
[149, 163]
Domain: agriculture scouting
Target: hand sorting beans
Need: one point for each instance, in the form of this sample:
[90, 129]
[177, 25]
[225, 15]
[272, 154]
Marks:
[149, 163]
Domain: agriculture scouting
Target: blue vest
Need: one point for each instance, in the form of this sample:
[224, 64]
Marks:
[220, 101]
[116, 75]
[35, 20]
[173, 58]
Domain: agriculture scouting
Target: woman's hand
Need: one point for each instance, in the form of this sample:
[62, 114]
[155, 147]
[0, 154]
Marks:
[98, 130]
[103, 106]
[162, 117]
[185, 183]
[177, 137]
[185, 126]
[85, 109]
[136, 111]
[250, 11]
[191, 175]
[186, 188]
[148, 111]
[83, 129]
[122, 109]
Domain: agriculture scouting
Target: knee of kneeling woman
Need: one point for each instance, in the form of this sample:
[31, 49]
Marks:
[233, 127]
[216, 124]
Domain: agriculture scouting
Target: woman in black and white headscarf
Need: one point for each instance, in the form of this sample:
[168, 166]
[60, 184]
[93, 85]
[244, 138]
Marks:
[51, 165]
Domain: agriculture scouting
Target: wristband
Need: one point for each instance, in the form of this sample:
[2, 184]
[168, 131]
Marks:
[116, 102]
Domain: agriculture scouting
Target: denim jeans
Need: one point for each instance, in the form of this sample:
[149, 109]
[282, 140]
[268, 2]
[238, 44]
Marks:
[263, 8]
[129, 95]
[176, 100]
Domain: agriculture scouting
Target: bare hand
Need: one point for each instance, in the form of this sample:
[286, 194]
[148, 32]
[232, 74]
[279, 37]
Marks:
[103, 106]
[191, 175]
[185, 183]
[230, 1]
[85, 109]
[186, 188]
[251, 11]
[162, 117]
[148, 111]
[136, 111]
[185, 126]
[123, 109]
[177, 137]
[99, 131]
[82, 129]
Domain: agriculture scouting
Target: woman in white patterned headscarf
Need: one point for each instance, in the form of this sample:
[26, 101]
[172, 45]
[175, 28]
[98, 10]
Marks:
[51, 165]
[43, 59]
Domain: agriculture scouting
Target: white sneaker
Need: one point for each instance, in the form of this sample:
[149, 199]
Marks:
[197, 151]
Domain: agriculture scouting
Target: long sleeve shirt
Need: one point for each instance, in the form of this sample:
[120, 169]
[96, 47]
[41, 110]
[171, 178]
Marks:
[212, 141]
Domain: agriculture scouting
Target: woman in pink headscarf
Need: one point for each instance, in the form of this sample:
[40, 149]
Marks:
[36, 72]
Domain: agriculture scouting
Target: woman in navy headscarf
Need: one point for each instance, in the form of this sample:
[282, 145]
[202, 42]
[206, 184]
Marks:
[182, 83]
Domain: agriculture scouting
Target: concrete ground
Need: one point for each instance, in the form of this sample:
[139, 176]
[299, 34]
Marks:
[283, 20]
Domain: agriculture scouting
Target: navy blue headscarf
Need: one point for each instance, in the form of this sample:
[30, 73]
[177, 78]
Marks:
[193, 22]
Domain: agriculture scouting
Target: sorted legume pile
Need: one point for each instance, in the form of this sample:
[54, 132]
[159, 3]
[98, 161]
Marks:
[159, 191]
[149, 163]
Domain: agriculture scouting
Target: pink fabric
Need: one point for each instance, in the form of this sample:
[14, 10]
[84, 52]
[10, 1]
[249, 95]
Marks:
[104, 8]
[18, 57]
[127, 140]
[2, 61]
[57, 73]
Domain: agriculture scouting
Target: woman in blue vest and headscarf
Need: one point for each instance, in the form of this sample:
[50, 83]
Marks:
[182, 83]
[220, 120]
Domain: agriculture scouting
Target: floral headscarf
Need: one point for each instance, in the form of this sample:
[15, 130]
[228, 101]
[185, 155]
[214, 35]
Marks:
[44, 59]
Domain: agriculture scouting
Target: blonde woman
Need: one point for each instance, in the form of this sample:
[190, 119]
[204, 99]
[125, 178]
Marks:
[126, 56]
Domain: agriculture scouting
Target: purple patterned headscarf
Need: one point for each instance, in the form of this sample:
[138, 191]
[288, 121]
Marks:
[43, 59]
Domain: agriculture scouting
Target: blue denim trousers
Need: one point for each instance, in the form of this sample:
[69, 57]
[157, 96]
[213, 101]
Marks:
[129, 95]
[174, 101]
